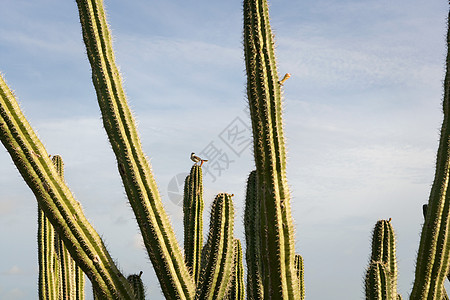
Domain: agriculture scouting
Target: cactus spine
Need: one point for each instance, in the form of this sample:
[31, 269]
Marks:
[434, 250]
[299, 267]
[218, 252]
[255, 288]
[134, 168]
[237, 287]
[193, 220]
[264, 97]
[138, 286]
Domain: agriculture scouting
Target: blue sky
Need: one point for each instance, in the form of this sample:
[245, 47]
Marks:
[362, 119]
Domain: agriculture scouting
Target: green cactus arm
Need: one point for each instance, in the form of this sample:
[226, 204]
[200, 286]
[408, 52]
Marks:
[218, 252]
[56, 200]
[159, 238]
[299, 267]
[433, 258]
[264, 97]
[255, 288]
[193, 220]
[138, 286]
[378, 284]
[384, 249]
[48, 279]
[237, 287]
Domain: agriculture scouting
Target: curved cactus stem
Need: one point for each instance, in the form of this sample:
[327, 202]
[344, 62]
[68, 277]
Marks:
[56, 200]
[48, 264]
[433, 258]
[134, 168]
[299, 267]
[383, 250]
[218, 252]
[264, 97]
[138, 286]
[193, 220]
[378, 283]
[237, 287]
[255, 288]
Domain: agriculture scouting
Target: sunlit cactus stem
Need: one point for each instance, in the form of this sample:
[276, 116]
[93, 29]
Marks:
[237, 287]
[384, 249]
[434, 250]
[159, 238]
[299, 267]
[193, 220]
[218, 252]
[265, 103]
[48, 276]
[378, 283]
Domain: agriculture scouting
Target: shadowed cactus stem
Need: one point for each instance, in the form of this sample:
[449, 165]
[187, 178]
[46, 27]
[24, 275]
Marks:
[299, 267]
[138, 286]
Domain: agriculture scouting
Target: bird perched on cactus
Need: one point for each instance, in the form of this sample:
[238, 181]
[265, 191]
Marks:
[197, 159]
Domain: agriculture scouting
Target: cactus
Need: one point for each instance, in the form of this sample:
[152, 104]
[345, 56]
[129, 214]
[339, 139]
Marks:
[48, 280]
[217, 254]
[193, 220]
[138, 286]
[434, 251]
[237, 288]
[134, 168]
[383, 250]
[378, 283]
[264, 97]
[255, 288]
[59, 275]
[299, 267]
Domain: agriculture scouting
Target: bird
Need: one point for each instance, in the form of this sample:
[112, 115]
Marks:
[197, 159]
[286, 77]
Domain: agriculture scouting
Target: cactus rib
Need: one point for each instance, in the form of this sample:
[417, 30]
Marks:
[159, 237]
[264, 97]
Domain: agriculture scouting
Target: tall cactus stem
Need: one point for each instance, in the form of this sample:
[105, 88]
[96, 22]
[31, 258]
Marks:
[193, 220]
[255, 288]
[159, 238]
[264, 97]
[433, 258]
[299, 267]
[218, 252]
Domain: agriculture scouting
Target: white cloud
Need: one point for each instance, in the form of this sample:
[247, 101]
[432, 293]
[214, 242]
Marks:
[14, 270]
